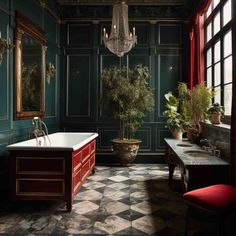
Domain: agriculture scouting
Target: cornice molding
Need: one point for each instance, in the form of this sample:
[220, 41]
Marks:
[135, 12]
[129, 2]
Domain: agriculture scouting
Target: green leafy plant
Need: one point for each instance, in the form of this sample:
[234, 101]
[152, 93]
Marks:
[175, 113]
[216, 108]
[127, 96]
[197, 105]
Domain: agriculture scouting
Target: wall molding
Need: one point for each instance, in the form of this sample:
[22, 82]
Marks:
[135, 12]
[67, 87]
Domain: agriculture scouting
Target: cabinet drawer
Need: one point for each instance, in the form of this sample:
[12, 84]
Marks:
[40, 165]
[40, 187]
[76, 181]
[77, 161]
[92, 146]
[85, 169]
[92, 161]
[85, 153]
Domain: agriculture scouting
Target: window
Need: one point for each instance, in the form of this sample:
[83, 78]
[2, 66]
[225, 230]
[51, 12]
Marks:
[218, 52]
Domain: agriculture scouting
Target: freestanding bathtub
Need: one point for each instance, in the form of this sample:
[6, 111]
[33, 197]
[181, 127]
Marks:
[55, 170]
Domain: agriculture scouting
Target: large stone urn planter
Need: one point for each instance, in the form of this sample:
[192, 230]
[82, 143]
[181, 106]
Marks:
[126, 150]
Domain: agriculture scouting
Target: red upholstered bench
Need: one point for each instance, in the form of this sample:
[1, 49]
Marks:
[220, 199]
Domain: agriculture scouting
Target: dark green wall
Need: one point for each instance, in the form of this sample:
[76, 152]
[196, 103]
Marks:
[160, 47]
[72, 102]
[10, 130]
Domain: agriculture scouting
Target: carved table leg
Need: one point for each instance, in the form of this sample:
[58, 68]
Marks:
[171, 172]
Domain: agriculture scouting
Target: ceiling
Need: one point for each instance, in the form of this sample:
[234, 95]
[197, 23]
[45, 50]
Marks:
[129, 2]
[101, 9]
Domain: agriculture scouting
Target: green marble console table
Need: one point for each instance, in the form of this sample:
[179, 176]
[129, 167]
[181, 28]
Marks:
[198, 168]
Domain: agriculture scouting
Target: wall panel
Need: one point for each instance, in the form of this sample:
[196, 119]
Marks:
[170, 34]
[164, 63]
[108, 133]
[4, 73]
[169, 74]
[17, 130]
[79, 34]
[78, 86]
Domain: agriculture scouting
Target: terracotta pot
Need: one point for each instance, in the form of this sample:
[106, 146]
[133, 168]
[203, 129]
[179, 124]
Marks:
[177, 134]
[126, 150]
[215, 118]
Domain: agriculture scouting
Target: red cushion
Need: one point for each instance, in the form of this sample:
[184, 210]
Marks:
[219, 197]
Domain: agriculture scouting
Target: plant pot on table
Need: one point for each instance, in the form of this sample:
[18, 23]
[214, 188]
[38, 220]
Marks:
[177, 134]
[215, 118]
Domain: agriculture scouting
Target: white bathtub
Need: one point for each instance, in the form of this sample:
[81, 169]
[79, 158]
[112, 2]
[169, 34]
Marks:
[58, 141]
[52, 172]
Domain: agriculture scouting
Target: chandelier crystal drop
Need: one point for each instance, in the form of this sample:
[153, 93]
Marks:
[120, 40]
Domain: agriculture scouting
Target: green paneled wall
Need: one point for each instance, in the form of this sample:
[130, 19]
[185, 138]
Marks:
[73, 101]
[16, 130]
[159, 47]
[79, 83]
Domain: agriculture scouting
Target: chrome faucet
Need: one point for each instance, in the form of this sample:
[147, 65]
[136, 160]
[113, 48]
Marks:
[38, 131]
[206, 145]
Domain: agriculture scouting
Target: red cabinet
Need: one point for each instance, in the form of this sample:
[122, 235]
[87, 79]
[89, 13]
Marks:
[50, 175]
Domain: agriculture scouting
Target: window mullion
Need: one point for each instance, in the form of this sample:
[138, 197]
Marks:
[221, 58]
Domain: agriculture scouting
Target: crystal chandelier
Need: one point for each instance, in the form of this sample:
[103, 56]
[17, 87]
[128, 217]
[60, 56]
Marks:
[120, 40]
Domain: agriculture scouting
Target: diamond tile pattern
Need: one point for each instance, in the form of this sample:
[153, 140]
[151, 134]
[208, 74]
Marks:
[118, 178]
[135, 200]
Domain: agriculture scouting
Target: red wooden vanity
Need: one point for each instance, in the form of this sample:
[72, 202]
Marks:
[53, 172]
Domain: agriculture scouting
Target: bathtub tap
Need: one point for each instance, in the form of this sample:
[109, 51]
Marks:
[39, 132]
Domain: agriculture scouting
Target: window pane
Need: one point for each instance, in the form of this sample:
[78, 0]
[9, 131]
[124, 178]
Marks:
[217, 97]
[228, 99]
[215, 3]
[209, 62]
[217, 74]
[217, 23]
[217, 52]
[228, 74]
[228, 44]
[209, 77]
[209, 32]
[227, 12]
[208, 11]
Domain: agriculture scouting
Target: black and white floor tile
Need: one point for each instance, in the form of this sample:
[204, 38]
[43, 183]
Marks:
[135, 200]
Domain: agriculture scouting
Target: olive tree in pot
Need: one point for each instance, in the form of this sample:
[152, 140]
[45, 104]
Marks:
[127, 97]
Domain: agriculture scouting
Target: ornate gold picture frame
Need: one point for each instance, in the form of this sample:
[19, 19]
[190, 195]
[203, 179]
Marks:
[30, 51]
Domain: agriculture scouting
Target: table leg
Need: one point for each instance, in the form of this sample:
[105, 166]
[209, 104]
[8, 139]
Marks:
[171, 172]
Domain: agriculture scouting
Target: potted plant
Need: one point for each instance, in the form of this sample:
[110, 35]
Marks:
[175, 113]
[196, 108]
[127, 97]
[215, 112]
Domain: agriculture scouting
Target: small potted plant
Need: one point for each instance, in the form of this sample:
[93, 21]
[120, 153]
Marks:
[127, 97]
[215, 112]
[176, 122]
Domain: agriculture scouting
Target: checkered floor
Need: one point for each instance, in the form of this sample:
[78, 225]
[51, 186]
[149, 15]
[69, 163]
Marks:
[130, 201]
